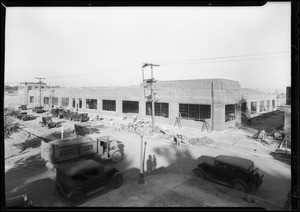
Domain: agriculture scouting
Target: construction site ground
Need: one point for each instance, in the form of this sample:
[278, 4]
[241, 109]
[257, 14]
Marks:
[172, 184]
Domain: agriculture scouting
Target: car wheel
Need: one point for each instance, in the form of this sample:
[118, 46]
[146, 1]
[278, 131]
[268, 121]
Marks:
[77, 198]
[199, 174]
[239, 186]
[118, 181]
[116, 156]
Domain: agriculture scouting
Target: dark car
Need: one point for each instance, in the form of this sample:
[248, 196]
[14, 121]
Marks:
[19, 201]
[77, 180]
[82, 129]
[23, 107]
[236, 172]
[82, 117]
[38, 109]
[57, 112]
[24, 116]
[47, 121]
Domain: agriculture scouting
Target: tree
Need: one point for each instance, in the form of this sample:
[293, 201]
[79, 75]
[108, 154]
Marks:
[10, 126]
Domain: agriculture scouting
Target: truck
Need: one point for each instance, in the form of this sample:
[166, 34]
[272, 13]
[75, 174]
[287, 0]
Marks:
[61, 150]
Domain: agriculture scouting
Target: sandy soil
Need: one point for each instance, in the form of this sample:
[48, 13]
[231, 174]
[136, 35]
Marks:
[23, 163]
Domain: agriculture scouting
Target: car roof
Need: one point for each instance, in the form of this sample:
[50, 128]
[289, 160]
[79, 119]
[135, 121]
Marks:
[235, 161]
[73, 168]
[82, 124]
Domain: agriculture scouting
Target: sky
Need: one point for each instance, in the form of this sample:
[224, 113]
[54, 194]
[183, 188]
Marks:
[106, 46]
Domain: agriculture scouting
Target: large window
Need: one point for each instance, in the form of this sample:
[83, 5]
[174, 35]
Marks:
[91, 104]
[229, 112]
[130, 106]
[73, 103]
[46, 100]
[273, 104]
[160, 109]
[109, 105]
[55, 101]
[64, 102]
[31, 99]
[261, 106]
[194, 111]
[80, 103]
[253, 107]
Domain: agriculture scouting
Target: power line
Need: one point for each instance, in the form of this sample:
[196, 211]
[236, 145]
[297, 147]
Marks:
[223, 57]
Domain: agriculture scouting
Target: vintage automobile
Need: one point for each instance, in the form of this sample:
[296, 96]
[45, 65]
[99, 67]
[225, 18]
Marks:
[67, 114]
[24, 116]
[47, 121]
[82, 129]
[38, 109]
[77, 180]
[82, 117]
[91, 145]
[236, 172]
[57, 112]
[23, 107]
[19, 201]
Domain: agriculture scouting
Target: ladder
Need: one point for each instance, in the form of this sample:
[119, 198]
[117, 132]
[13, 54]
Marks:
[205, 126]
[178, 121]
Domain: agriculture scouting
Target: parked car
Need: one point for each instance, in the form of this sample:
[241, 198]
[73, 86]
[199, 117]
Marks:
[24, 116]
[47, 121]
[77, 180]
[19, 201]
[82, 129]
[57, 112]
[23, 107]
[82, 117]
[67, 114]
[236, 172]
[38, 109]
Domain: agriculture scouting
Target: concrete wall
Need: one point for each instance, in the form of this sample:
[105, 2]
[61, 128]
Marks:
[257, 97]
[214, 92]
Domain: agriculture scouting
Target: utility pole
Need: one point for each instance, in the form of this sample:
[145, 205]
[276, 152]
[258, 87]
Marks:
[40, 82]
[141, 176]
[150, 81]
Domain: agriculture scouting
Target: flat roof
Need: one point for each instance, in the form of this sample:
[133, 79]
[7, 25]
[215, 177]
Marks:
[235, 161]
[78, 166]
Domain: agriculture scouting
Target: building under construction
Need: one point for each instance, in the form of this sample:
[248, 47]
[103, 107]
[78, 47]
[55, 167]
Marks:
[220, 103]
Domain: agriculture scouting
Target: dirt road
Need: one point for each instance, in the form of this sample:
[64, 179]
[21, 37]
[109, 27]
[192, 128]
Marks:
[29, 174]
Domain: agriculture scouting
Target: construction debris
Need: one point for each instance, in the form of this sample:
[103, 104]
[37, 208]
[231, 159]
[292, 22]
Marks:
[262, 136]
[204, 141]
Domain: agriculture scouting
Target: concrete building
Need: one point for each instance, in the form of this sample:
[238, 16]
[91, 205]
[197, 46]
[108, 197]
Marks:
[214, 101]
[255, 103]
[25, 88]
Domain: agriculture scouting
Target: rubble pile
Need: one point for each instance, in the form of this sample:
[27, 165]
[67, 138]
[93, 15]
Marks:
[262, 136]
[277, 134]
[203, 141]
[134, 127]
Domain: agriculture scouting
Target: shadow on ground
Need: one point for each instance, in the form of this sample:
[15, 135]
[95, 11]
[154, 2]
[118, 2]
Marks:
[281, 157]
[268, 121]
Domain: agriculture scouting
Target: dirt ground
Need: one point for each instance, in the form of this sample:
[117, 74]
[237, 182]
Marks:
[22, 151]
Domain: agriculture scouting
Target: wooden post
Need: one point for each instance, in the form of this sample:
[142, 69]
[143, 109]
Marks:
[141, 176]
[62, 131]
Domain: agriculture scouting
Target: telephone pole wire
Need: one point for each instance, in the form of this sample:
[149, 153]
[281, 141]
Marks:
[40, 82]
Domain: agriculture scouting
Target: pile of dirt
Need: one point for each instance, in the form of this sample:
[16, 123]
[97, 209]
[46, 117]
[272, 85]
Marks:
[203, 141]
